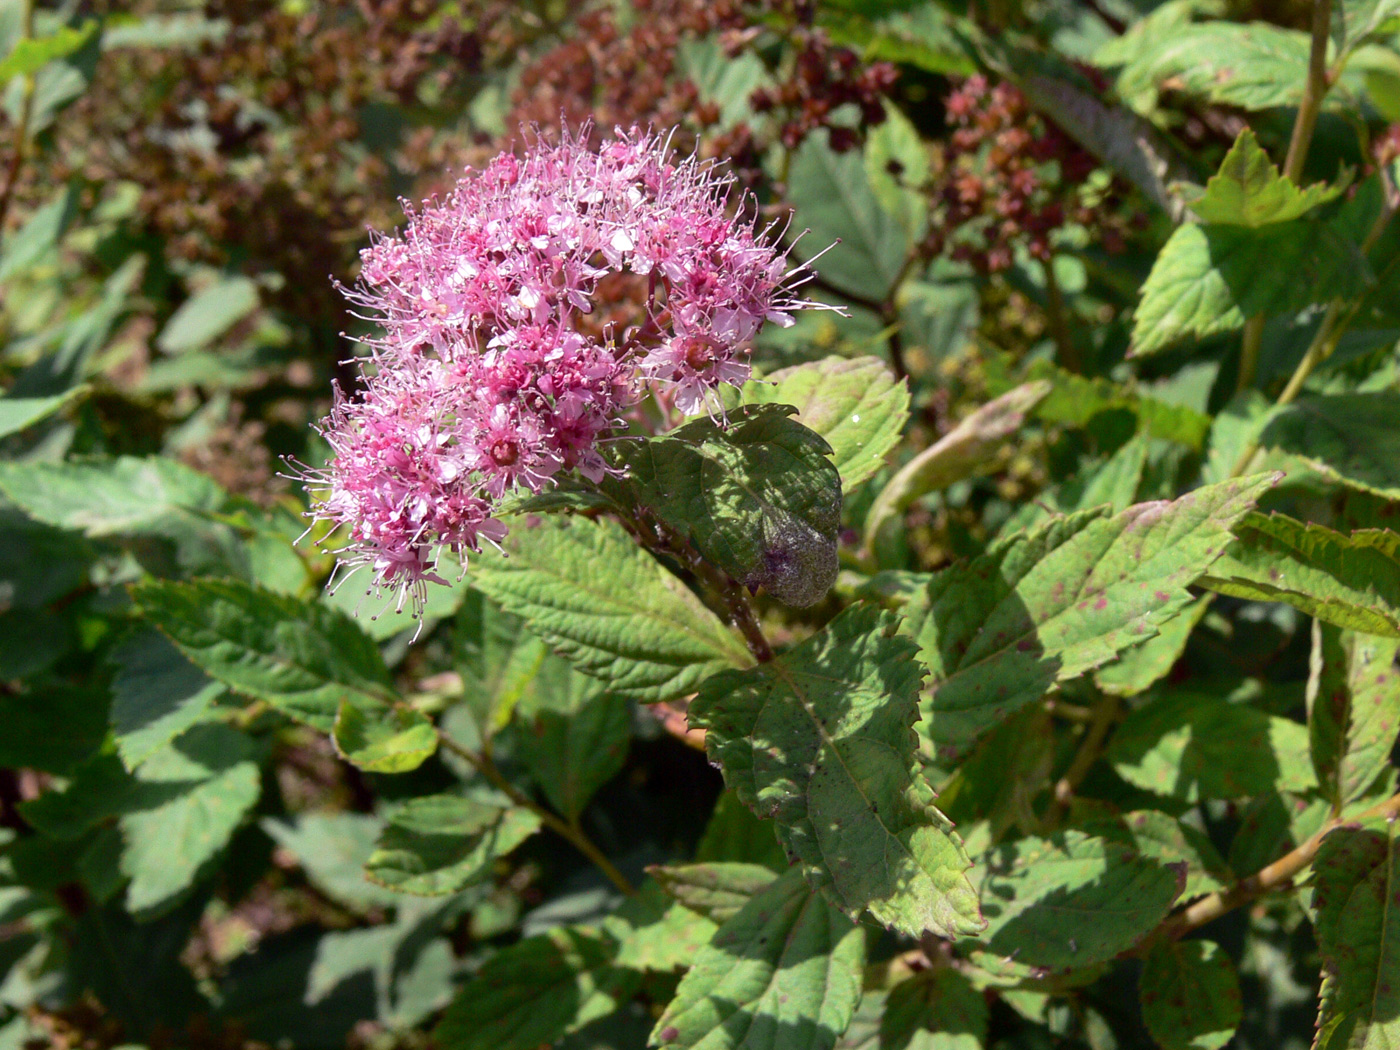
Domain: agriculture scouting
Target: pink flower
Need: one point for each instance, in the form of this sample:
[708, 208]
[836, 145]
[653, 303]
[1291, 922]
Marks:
[481, 383]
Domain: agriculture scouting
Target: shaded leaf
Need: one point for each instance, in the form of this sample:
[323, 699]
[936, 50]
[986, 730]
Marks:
[656, 934]
[1249, 190]
[785, 971]
[819, 740]
[156, 695]
[1048, 605]
[1349, 437]
[332, 848]
[1353, 710]
[536, 991]
[1351, 581]
[383, 739]
[1202, 747]
[757, 496]
[599, 599]
[1356, 881]
[715, 890]
[16, 413]
[938, 1009]
[303, 658]
[1190, 996]
[496, 657]
[856, 404]
[438, 844]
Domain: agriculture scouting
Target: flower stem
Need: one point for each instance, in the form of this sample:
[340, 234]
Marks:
[26, 114]
[483, 764]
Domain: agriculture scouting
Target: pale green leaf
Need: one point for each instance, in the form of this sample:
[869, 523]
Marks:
[1047, 606]
[757, 496]
[534, 992]
[332, 849]
[1203, 747]
[956, 455]
[716, 890]
[897, 166]
[303, 658]
[382, 739]
[208, 314]
[40, 234]
[1190, 996]
[33, 53]
[1168, 840]
[1249, 190]
[1255, 66]
[1353, 710]
[1351, 580]
[856, 404]
[656, 934]
[439, 844]
[819, 739]
[1140, 668]
[589, 591]
[1355, 890]
[784, 972]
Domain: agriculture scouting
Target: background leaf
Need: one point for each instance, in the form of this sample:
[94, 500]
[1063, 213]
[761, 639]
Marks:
[1353, 710]
[438, 844]
[1190, 996]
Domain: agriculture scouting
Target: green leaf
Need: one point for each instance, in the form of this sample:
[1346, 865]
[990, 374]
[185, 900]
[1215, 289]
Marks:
[438, 844]
[1202, 747]
[1071, 901]
[1349, 437]
[303, 658]
[1190, 996]
[34, 240]
[1249, 190]
[1208, 280]
[655, 934]
[589, 591]
[1357, 879]
[724, 80]
[383, 739]
[332, 848]
[785, 971]
[924, 36]
[572, 734]
[734, 833]
[819, 740]
[208, 314]
[1048, 605]
[534, 992]
[832, 193]
[16, 413]
[166, 847]
[33, 53]
[856, 404]
[715, 890]
[156, 695]
[1255, 66]
[1168, 840]
[1354, 21]
[937, 1009]
[1139, 669]
[29, 740]
[897, 167]
[758, 497]
[497, 659]
[1353, 710]
[1351, 580]
[956, 455]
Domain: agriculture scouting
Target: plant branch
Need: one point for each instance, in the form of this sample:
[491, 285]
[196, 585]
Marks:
[1314, 90]
[1275, 876]
[1065, 350]
[1105, 713]
[26, 115]
[483, 764]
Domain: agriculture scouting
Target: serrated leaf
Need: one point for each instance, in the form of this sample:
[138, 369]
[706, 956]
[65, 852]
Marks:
[856, 404]
[819, 740]
[572, 734]
[1168, 840]
[1048, 605]
[1249, 190]
[1207, 280]
[166, 847]
[1071, 901]
[955, 456]
[156, 695]
[332, 848]
[1356, 881]
[1353, 710]
[785, 971]
[938, 1009]
[439, 844]
[655, 934]
[589, 591]
[1190, 996]
[1201, 747]
[534, 992]
[715, 890]
[1351, 581]
[303, 658]
[207, 314]
[1139, 669]
[1349, 437]
[383, 739]
[757, 496]
[832, 194]
[1255, 66]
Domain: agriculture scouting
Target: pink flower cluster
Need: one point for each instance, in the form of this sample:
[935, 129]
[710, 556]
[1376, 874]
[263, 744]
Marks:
[482, 381]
